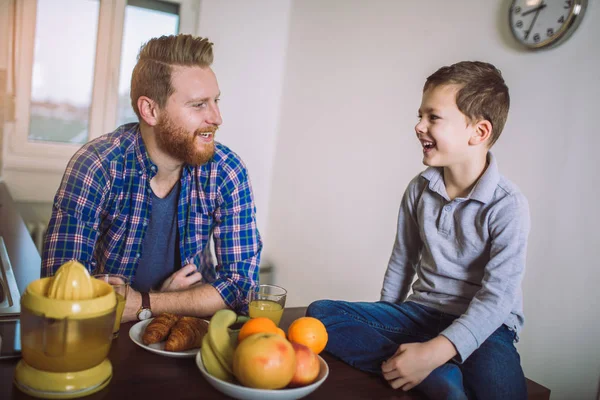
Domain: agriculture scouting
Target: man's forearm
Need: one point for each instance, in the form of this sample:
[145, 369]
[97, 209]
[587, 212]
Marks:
[199, 301]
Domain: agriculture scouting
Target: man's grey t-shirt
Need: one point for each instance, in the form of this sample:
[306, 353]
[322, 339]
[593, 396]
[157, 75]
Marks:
[468, 254]
[160, 253]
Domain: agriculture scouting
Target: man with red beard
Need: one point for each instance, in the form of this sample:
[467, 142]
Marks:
[144, 201]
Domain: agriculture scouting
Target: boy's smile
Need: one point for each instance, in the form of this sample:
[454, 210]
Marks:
[427, 145]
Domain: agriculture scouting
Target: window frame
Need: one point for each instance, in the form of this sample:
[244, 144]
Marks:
[24, 155]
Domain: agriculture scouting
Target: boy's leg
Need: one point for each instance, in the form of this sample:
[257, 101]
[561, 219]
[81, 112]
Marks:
[494, 370]
[444, 382]
[366, 334]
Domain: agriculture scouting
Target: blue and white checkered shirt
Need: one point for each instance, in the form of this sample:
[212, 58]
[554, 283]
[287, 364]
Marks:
[103, 206]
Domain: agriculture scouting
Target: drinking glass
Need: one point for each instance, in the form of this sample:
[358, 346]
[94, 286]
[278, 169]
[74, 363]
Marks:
[267, 301]
[120, 285]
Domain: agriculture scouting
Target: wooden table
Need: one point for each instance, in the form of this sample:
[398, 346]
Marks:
[140, 374]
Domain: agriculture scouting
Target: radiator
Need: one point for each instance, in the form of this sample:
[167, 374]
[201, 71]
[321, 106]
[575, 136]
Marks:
[37, 230]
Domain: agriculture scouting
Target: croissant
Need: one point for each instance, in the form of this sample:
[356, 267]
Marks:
[158, 330]
[186, 334]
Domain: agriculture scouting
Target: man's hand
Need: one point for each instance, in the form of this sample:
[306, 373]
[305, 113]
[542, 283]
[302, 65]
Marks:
[132, 305]
[183, 279]
[413, 362]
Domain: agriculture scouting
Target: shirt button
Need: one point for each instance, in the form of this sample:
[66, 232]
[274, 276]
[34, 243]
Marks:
[447, 208]
[149, 191]
[140, 172]
[144, 223]
[153, 168]
[137, 255]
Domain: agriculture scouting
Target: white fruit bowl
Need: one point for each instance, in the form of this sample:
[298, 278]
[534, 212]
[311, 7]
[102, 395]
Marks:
[245, 393]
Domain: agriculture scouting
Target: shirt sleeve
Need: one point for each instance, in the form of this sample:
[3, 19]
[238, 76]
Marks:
[73, 227]
[237, 241]
[407, 248]
[509, 229]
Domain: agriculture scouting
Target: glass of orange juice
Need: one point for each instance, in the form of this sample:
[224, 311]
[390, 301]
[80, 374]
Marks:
[267, 301]
[120, 284]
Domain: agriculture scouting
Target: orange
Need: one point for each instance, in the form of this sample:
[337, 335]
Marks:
[256, 325]
[281, 332]
[310, 332]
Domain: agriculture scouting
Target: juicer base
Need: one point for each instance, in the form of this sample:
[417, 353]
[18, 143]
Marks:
[62, 385]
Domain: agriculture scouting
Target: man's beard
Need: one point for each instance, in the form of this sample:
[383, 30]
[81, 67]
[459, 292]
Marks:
[181, 144]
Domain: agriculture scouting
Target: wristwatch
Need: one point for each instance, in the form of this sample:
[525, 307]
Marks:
[144, 312]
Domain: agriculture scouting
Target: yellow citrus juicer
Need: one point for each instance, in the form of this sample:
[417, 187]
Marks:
[66, 333]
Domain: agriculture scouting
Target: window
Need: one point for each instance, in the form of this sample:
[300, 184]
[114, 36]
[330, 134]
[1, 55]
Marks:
[61, 91]
[142, 21]
[72, 67]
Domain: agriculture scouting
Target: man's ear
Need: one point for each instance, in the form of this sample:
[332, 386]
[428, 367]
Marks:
[148, 110]
[482, 132]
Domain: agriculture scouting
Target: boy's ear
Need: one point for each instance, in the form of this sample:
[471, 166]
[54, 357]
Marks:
[482, 132]
[148, 110]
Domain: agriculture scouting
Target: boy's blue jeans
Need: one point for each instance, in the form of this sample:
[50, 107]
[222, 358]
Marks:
[364, 335]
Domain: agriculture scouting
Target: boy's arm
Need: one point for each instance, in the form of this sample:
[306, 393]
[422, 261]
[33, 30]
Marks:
[509, 229]
[407, 248]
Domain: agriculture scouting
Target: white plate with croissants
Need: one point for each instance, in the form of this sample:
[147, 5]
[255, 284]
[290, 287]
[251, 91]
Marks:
[170, 335]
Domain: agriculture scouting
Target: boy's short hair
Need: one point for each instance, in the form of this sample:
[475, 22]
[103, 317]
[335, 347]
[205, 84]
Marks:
[151, 76]
[482, 95]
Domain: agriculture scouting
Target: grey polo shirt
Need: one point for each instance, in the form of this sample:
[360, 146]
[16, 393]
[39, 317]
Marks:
[468, 254]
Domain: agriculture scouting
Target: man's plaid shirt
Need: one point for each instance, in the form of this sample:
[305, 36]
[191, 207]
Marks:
[102, 209]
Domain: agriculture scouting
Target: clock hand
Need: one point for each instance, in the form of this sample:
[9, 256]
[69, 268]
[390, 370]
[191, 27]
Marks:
[534, 9]
[534, 19]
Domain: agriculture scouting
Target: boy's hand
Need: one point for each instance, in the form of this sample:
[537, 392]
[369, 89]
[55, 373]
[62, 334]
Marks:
[413, 362]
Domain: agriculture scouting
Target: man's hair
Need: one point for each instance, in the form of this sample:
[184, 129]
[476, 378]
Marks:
[482, 93]
[151, 76]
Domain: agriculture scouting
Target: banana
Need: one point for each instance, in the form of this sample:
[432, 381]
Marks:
[219, 338]
[218, 345]
[233, 333]
[212, 364]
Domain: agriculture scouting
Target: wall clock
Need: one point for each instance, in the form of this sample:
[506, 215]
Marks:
[540, 24]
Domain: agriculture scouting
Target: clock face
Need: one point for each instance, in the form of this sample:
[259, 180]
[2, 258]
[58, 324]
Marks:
[543, 23]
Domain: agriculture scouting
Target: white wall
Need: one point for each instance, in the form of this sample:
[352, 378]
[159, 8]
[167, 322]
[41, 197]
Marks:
[346, 149]
[250, 40]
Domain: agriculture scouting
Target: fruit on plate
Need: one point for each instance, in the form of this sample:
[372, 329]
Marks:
[310, 332]
[281, 332]
[307, 366]
[212, 363]
[218, 345]
[264, 361]
[257, 325]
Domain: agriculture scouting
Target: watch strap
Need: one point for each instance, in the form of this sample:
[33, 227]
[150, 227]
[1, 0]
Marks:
[145, 300]
[144, 312]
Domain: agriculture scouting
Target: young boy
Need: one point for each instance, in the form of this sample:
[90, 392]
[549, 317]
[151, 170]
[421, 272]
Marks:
[462, 228]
